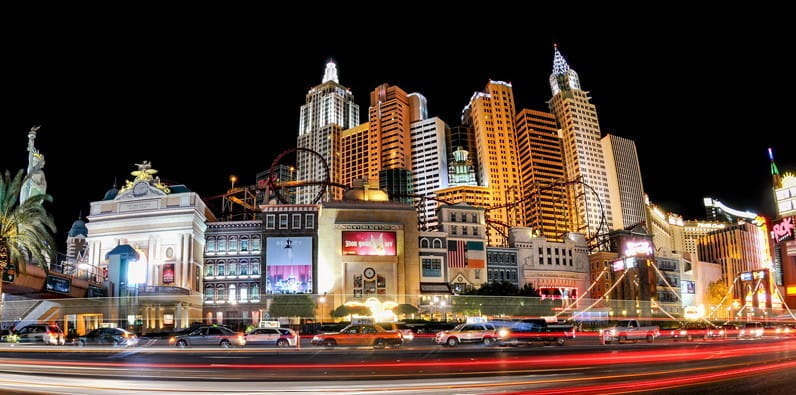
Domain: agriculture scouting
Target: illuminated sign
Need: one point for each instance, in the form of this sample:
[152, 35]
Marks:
[9, 273]
[791, 290]
[641, 247]
[689, 287]
[759, 275]
[58, 284]
[168, 273]
[168, 319]
[369, 243]
[709, 225]
[288, 265]
[623, 264]
[783, 230]
[746, 276]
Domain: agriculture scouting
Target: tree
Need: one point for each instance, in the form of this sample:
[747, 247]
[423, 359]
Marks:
[344, 310]
[404, 309]
[26, 230]
[292, 306]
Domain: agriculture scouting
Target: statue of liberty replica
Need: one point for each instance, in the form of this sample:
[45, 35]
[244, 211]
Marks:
[35, 183]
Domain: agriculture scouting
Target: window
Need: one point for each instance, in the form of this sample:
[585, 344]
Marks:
[244, 268]
[220, 269]
[437, 243]
[211, 244]
[256, 243]
[270, 221]
[309, 221]
[453, 230]
[244, 293]
[477, 274]
[432, 267]
[244, 244]
[296, 221]
[209, 270]
[474, 218]
[232, 293]
[282, 221]
[475, 231]
[453, 217]
[209, 292]
[255, 267]
[233, 244]
[222, 244]
[220, 292]
[464, 230]
[232, 269]
[424, 243]
[255, 291]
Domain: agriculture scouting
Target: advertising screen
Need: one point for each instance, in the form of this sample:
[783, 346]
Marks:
[369, 243]
[746, 276]
[689, 286]
[288, 263]
[168, 273]
[636, 247]
[58, 284]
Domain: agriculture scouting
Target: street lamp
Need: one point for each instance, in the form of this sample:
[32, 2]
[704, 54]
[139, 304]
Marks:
[233, 179]
[322, 300]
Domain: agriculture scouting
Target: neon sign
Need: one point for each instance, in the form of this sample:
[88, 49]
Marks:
[633, 248]
[783, 230]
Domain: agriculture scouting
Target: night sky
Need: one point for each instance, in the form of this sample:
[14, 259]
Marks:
[202, 104]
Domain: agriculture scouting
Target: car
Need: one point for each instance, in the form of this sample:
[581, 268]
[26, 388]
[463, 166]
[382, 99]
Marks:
[359, 335]
[532, 330]
[400, 327]
[691, 331]
[109, 336]
[723, 331]
[478, 332]
[210, 336]
[751, 330]
[282, 337]
[42, 333]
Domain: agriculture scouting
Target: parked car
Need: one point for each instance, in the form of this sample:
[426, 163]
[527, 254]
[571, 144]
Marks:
[108, 336]
[359, 335]
[42, 333]
[210, 336]
[282, 337]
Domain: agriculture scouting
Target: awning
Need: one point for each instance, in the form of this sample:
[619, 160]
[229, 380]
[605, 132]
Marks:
[435, 288]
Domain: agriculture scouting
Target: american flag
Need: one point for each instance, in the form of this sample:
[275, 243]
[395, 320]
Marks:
[457, 253]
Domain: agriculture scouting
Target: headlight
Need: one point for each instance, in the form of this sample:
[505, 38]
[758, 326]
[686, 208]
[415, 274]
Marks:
[316, 338]
[683, 332]
[612, 332]
[172, 340]
[721, 332]
[503, 332]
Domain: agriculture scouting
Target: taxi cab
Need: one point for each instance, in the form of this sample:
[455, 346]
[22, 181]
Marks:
[359, 335]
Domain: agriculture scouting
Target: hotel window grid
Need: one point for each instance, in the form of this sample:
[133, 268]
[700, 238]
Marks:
[244, 244]
[211, 244]
[283, 221]
[222, 244]
[270, 221]
[309, 221]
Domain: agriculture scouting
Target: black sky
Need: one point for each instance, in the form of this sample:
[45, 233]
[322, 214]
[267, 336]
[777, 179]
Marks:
[211, 99]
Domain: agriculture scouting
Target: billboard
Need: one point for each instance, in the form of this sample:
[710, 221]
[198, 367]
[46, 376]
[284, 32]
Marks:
[688, 286]
[10, 273]
[369, 243]
[623, 264]
[288, 265]
[168, 273]
[58, 284]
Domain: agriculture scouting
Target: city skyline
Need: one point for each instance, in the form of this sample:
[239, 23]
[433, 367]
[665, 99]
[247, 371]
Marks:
[104, 139]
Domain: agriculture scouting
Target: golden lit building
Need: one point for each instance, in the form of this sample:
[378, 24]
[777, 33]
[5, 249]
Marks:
[491, 114]
[737, 249]
[359, 161]
[541, 160]
[475, 196]
[389, 116]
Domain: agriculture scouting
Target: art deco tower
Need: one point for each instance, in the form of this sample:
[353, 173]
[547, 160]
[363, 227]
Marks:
[329, 109]
[583, 152]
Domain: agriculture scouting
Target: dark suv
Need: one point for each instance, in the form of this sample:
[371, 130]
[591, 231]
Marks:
[42, 333]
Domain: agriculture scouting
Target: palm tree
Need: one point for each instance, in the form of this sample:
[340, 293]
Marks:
[26, 230]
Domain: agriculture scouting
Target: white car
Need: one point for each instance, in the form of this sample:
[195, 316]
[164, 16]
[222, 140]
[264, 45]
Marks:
[467, 333]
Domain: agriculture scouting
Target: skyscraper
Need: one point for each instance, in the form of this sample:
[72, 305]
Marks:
[546, 204]
[462, 136]
[460, 169]
[491, 113]
[329, 109]
[624, 181]
[389, 116]
[429, 165]
[359, 160]
[583, 153]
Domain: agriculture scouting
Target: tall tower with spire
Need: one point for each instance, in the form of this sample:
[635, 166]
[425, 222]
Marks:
[590, 208]
[329, 109]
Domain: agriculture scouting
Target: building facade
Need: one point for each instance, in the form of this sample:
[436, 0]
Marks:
[462, 137]
[389, 117]
[359, 160]
[559, 270]
[738, 249]
[626, 190]
[539, 150]
[501, 265]
[583, 153]
[465, 226]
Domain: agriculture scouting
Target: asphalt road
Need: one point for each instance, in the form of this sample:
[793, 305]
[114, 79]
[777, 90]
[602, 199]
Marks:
[581, 366]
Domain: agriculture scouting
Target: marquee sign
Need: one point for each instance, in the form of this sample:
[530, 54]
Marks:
[783, 230]
[369, 243]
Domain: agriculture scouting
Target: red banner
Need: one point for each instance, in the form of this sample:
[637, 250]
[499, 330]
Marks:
[369, 243]
[168, 273]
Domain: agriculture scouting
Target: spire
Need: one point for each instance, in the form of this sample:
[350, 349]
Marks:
[560, 65]
[331, 72]
[777, 178]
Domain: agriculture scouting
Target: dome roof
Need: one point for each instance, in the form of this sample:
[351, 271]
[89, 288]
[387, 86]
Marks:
[78, 228]
[111, 193]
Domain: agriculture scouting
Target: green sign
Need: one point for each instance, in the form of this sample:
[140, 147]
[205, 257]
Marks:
[9, 273]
